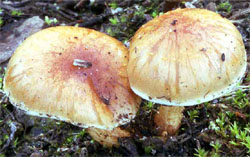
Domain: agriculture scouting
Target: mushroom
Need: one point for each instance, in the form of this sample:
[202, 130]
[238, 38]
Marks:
[108, 138]
[185, 57]
[72, 74]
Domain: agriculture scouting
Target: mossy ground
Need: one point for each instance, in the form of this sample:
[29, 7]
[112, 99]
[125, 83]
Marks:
[217, 128]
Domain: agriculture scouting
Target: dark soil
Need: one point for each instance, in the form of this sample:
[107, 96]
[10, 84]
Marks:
[202, 125]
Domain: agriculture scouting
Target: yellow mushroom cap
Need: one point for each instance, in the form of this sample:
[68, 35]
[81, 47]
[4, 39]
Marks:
[186, 57]
[72, 74]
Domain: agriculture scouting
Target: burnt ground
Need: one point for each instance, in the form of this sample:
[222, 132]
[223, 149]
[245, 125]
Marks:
[217, 128]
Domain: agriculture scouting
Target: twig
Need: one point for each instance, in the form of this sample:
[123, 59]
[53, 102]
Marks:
[237, 21]
[72, 13]
[80, 3]
[54, 8]
[19, 4]
[13, 129]
[94, 20]
[66, 15]
[185, 139]
[7, 7]
[240, 13]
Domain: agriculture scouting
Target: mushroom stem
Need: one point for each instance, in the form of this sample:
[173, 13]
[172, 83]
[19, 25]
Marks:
[82, 63]
[108, 138]
[168, 119]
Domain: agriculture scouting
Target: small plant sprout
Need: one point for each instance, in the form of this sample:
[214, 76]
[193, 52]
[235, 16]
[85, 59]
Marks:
[57, 7]
[233, 143]
[230, 114]
[81, 133]
[123, 19]
[154, 14]
[240, 99]
[246, 143]
[149, 105]
[1, 21]
[148, 149]
[109, 31]
[216, 146]
[221, 120]
[114, 20]
[69, 140]
[240, 136]
[1, 83]
[213, 126]
[50, 21]
[15, 142]
[225, 6]
[6, 137]
[200, 152]
[193, 114]
[234, 130]
[16, 13]
[4, 105]
[113, 5]
[92, 141]
[139, 11]
[221, 123]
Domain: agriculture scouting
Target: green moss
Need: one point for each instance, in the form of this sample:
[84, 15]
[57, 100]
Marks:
[240, 100]
[225, 6]
[149, 105]
[15, 142]
[1, 21]
[81, 134]
[69, 140]
[154, 14]
[113, 5]
[148, 150]
[5, 137]
[114, 20]
[50, 21]
[92, 141]
[4, 105]
[123, 19]
[16, 13]
[111, 31]
[200, 152]
[216, 147]
[193, 114]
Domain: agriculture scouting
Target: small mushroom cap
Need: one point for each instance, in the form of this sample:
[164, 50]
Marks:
[186, 57]
[72, 74]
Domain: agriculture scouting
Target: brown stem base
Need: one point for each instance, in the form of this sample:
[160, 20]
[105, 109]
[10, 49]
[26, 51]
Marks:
[108, 138]
[168, 119]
